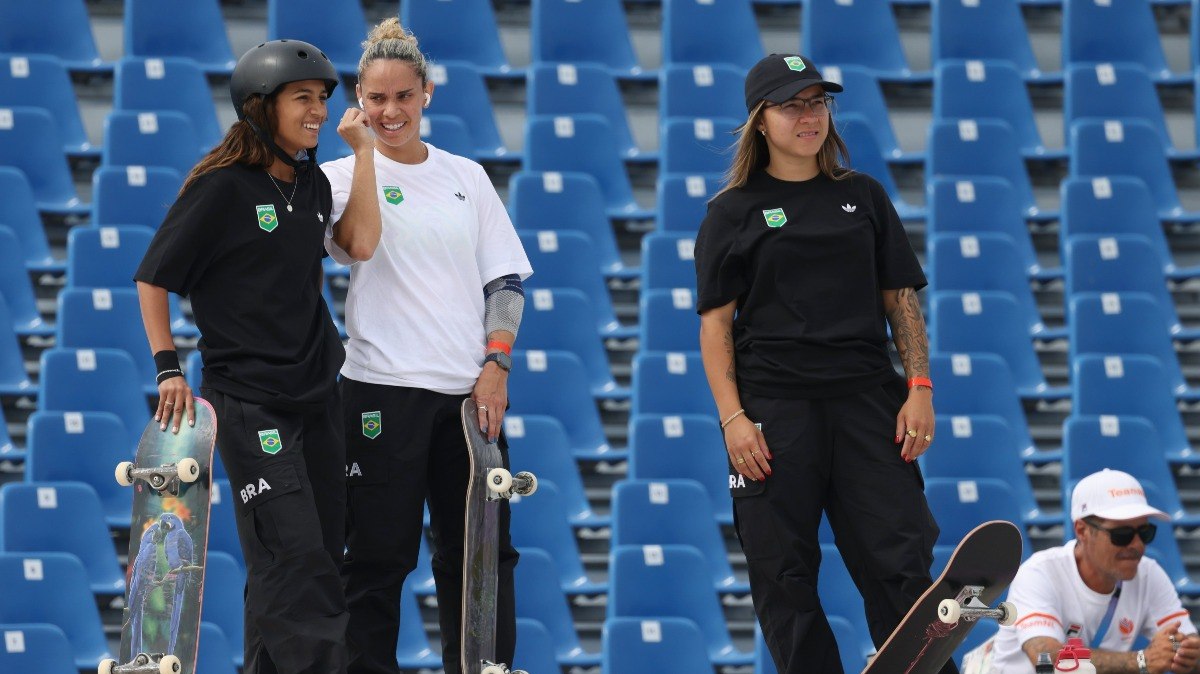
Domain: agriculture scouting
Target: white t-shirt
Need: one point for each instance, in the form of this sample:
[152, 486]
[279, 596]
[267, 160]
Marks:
[414, 311]
[1052, 599]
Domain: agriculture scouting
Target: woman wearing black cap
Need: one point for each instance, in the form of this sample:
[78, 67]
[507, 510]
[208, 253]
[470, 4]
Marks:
[244, 240]
[799, 263]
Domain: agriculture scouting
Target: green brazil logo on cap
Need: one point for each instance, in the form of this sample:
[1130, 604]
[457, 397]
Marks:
[775, 217]
[392, 194]
[795, 63]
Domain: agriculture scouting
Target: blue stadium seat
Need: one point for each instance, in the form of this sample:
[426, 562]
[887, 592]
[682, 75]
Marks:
[194, 30]
[59, 28]
[539, 521]
[697, 145]
[168, 83]
[567, 259]
[843, 632]
[52, 587]
[214, 655]
[133, 195]
[82, 447]
[1103, 205]
[1121, 263]
[867, 156]
[14, 380]
[985, 30]
[1118, 323]
[863, 95]
[41, 81]
[222, 523]
[840, 597]
[562, 31]
[412, 644]
[448, 133]
[1131, 385]
[686, 446]
[701, 90]
[330, 145]
[1165, 551]
[61, 517]
[561, 319]
[109, 318]
[95, 380]
[105, 257]
[17, 289]
[989, 89]
[36, 647]
[960, 505]
[585, 143]
[535, 648]
[671, 383]
[669, 320]
[164, 138]
[1116, 91]
[668, 261]
[1102, 147]
[664, 512]
[420, 580]
[660, 581]
[981, 383]
[19, 212]
[565, 201]
[831, 31]
[984, 445]
[981, 147]
[558, 89]
[8, 451]
[986, 261]
[546, 603]
[224, 603]
[539, 444]
[989, 322]
[337, 28]
[713, 31]
[459, 30]
[1094, 32]
[327, 295]
[555, 383]
[463, 93]
[1127, 443]
[653, 645]
[29, 142]
[974, 205]
[682, 201]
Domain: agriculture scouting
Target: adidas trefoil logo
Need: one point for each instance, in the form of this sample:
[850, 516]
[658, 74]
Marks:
[461, 196]
[848, 208]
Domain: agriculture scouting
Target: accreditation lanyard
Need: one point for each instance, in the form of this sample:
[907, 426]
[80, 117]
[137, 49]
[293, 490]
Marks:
[1108, 616]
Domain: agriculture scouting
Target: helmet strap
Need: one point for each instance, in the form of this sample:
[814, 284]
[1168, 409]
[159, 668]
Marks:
[297, 164]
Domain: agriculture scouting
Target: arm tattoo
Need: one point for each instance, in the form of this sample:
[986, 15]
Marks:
[729, 373]
[908, 333]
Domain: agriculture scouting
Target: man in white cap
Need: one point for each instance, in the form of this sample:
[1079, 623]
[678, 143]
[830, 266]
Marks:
[1102, 588]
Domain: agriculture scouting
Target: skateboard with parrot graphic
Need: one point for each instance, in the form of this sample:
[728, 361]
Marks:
[171, 479]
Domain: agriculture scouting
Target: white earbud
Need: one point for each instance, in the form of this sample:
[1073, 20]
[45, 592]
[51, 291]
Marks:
[427, 99]
[360, 103]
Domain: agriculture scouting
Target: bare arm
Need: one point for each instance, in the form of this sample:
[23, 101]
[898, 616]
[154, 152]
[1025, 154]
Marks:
[915, 422]
[358, 230]
[744, 442]
[174, 394]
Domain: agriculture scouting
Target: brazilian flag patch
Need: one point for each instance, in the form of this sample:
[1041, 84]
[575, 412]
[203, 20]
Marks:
[392, 194]
[775, 217]
[267, 220]
[270, 442]
[372, 424]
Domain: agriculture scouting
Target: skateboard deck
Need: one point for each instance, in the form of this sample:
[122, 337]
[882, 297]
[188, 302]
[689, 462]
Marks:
[171, 479]
[489, 483]
[979, 571]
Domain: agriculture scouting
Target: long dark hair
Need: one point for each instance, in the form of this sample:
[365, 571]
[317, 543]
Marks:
[241, 145]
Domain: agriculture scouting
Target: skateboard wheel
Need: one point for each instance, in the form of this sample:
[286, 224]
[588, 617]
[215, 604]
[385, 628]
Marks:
[188, 470]
[169, 665]
[529, 488]
[124, 473]
[499, 481]
[493, 669]
[949, 611]
[106, 666]
[1009, 611]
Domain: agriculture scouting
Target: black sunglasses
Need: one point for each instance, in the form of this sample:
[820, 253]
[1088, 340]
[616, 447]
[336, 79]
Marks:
[1122, 536]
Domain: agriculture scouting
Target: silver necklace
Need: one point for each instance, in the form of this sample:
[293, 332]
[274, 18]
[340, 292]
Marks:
[294, 185]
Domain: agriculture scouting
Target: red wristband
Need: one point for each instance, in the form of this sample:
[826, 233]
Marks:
[921, 381]
[496, 344]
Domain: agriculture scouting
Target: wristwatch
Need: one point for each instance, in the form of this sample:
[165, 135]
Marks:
[1141, 663]
[499, 358]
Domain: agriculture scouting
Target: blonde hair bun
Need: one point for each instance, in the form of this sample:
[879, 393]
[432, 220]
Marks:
[389, 29]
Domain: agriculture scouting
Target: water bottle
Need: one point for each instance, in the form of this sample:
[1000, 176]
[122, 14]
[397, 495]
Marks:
[1075, 657]
[1045, 665]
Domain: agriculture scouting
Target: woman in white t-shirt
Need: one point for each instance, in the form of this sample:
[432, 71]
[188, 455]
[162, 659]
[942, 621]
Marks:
[432, 312]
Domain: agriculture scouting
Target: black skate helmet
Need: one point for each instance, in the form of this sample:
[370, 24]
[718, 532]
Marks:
[270, 65]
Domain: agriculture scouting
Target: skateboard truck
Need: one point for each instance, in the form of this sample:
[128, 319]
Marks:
[143, 663]
[967, 606]
[502, 484]
[493, 668]
[166, 477]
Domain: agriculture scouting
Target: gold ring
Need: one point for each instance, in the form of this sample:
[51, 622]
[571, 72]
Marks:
[928, 438]
[483, 407]
[741, 460]
[754, 452]
[169, 404]
[912, 433]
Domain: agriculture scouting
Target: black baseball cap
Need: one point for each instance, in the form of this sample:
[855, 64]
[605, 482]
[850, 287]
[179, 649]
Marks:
[778, 77]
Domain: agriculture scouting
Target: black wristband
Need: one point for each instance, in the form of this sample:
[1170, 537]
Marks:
[166, 362]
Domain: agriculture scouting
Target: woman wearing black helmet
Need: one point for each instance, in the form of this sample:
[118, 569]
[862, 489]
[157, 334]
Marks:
[244, 240]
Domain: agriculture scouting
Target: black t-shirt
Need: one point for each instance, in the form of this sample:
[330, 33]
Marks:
[253, 273]
[806, 262]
